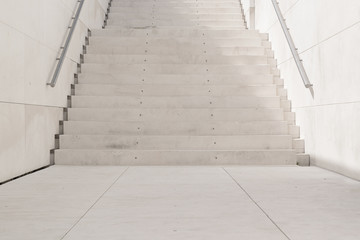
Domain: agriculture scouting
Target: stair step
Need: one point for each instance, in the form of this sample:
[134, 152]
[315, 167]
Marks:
[174, 59]
[190, 128]
[165, 23]
[175, 90]
[303, 160]
[166, 4]
[175, 157]
[294, 131]
[186, 16]
[181, 51]
[178, 69]
[171, 79]
[171, 42]
[299, 145]
[187, 10]
[192, 101]
[178, 33]
[154, 142]
[187, 28]
[156, 114]
[174, 1]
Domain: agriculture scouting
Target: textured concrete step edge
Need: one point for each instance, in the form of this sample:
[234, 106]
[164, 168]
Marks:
[124, 157]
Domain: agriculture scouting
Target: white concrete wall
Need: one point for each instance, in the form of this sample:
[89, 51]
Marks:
[31, 33]
[327, 33]
[249, 11]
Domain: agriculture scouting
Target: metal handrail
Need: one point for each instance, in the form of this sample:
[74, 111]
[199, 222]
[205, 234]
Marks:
[293, 49]
[64, 48]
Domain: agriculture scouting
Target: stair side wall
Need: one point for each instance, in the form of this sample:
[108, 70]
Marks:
[327, 35]
[31, 34]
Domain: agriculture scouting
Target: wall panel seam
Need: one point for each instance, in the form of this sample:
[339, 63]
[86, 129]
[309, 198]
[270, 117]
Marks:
[322, 41]
[31, 104]
[35, 40]
[284, 13]
[327, 104]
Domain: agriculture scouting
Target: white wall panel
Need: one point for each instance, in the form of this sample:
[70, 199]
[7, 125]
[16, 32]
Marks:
[327, 33]
[31, 33]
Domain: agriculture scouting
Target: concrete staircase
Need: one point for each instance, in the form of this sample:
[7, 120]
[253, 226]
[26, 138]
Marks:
[179, 83]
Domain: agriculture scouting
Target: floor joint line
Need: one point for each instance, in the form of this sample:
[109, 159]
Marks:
[97, 200]
[265, 213]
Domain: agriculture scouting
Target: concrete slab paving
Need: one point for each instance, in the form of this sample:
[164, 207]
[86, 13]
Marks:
[46, 204]
[175, 203]
[108, 202]
[307, 203]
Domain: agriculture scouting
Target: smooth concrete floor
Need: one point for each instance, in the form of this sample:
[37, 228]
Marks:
[67, 202]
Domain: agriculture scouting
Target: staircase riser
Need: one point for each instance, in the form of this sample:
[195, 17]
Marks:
[186, 10]
[116, 17]
[174, 90]
[174, 102]
[178, 33]
[181, 128]
[179, 26]
[135, 79]
[153, 42]
[101, 157]
[164, 23]
[191, 59]
[175, 4]
[174, 1]
[175, 142]
[226, 51]
[241, 115]
[177, 69]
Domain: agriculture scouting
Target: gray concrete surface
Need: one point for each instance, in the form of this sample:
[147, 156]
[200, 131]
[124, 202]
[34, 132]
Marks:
[112, 202]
